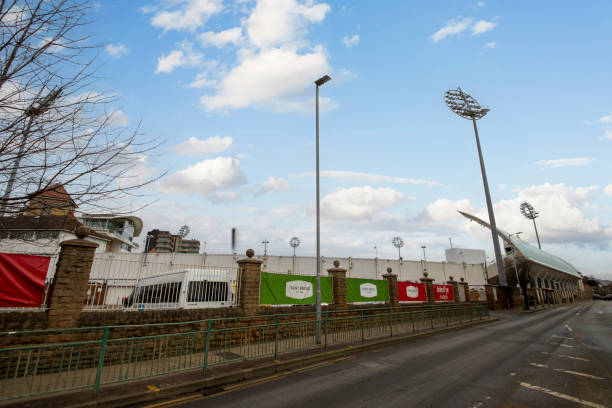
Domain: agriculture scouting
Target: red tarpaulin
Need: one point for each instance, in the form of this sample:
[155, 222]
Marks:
[443, 293]
[411, 292]
[22, 279]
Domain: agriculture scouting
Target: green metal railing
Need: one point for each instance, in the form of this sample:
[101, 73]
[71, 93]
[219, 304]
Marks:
[112, 358]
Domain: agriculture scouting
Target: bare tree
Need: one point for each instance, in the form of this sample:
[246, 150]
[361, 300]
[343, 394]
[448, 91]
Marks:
[54, 127]
[518, 269]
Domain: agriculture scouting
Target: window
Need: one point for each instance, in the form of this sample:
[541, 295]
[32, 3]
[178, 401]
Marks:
[24, 235]
[205, 291]
[160, 293]
[47, 234]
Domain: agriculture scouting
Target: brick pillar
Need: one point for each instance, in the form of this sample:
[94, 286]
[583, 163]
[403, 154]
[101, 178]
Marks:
[338, 276]
[249, 271]
[455, 286]
[463, 285]
[491, 298]
[428, 287]
[392, 282]
[68, 291]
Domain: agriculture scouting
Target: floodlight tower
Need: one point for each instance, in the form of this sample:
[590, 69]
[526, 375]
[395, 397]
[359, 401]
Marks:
[398, 242]
[529, 212]
[468, 108]
[294, 243]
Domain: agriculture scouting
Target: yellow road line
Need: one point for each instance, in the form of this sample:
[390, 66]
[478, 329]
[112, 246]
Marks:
[176, 401]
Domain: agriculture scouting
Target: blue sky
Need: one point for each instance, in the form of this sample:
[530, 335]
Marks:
[229, 87]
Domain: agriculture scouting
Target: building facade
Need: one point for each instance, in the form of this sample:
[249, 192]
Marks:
[165, 242]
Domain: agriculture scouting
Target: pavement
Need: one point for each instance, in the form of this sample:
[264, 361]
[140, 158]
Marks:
[560, 357]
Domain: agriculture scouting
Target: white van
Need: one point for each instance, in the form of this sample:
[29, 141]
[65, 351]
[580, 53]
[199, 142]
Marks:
[183, 289]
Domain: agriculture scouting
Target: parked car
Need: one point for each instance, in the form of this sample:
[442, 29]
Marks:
[607, 297]
[596, 296]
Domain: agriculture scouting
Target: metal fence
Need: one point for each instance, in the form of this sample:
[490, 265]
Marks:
[108, 357]
[134, 283]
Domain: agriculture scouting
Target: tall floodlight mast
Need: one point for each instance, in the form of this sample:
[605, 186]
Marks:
[294, 243]
[529, 212]
[468, 108]
[398, 242]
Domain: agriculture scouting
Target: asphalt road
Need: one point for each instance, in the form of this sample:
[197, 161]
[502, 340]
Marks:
[556, 358]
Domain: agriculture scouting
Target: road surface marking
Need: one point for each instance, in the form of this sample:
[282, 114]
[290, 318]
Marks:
[562, 337]
[566, 345]
[153, 388]
[561, 395]
[512, 374]
[600, 312]
[477, 405]
[568, 328]
[566, 356]
[176, 401]
[538, 365]
[580, 374]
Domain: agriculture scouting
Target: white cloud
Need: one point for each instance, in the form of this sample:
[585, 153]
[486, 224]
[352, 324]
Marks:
[202, 81]
[480, 4]
[358, 202]
[502, 186]
[607, 134]
[116, 50]
[353, 176]
[491, 44]
[608, 190]
[183, 57]
[273, 185]
[188, 15]
[267, 77]
[606, 119]
[444, 210]
[350, 41]
[220, 39]
[117, 118]
[483, 26]
[276, 22]
[193, 145]
[205, 177]
[453, 27]
[570, 162]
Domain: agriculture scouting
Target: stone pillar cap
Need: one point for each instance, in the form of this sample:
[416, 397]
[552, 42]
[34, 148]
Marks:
[249, 258]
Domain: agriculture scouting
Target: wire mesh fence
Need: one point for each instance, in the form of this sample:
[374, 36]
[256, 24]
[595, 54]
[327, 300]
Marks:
[111, 358]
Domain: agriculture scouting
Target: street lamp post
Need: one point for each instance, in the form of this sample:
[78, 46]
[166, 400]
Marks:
[424, 258]
[265, 242]
[318, 83]
[467, 107]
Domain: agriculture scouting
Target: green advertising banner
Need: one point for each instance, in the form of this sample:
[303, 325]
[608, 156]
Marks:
[366, 290]
[276, 289]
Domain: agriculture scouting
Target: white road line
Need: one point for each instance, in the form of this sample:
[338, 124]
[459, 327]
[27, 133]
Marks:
[561, 395]
[477, 405]
[538, 365]
[562, 337]
[568, 328]
[565, 355]
[566, 345]
[561, 370]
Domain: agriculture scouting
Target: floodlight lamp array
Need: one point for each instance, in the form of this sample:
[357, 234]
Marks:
[294, 242]
[464, 105]
[528, 211]
[398, 242]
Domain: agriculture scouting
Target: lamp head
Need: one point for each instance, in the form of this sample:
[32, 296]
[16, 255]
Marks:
[322, 80]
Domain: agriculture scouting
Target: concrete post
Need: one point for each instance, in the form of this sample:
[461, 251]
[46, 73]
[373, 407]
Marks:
[249, 272]
[338, 276]
[68, 291]
[428, 288]
[393, 291]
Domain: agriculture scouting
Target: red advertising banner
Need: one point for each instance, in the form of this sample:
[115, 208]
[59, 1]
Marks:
[411, 292]
[443, 293]
[23, 279]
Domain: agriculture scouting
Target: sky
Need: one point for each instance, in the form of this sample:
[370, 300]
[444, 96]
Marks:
[228, 86]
